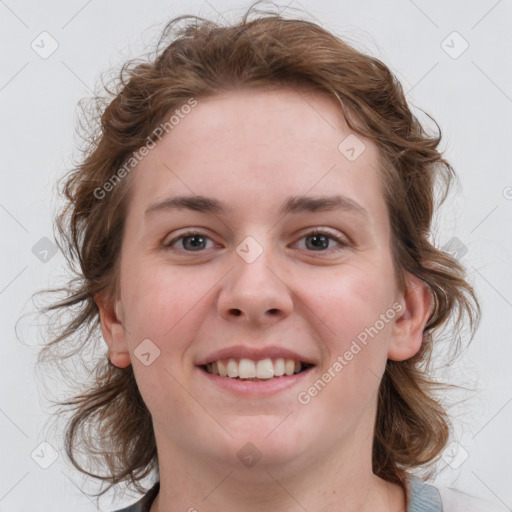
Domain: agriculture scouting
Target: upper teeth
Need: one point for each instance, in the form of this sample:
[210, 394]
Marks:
[249, 369]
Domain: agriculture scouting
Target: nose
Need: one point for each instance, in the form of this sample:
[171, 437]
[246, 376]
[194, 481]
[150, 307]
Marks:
[255, 293]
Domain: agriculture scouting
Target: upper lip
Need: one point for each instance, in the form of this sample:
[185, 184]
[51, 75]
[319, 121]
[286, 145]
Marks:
[256, 354]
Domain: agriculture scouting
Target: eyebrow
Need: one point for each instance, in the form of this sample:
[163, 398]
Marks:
[294, 204]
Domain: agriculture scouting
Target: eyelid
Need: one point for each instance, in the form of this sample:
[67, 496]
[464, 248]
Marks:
[184, 234]
[341, 239]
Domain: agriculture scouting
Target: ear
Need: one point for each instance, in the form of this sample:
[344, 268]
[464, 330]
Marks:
[113, 330]
[416, 304]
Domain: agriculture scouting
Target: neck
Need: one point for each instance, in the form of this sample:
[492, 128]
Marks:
[319, 483]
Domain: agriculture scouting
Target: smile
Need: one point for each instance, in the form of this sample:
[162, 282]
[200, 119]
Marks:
[264, 369]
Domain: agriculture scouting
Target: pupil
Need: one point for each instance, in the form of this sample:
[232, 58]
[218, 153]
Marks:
[196, 244]
[319, 241]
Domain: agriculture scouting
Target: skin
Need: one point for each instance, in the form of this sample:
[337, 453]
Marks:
[252, 149]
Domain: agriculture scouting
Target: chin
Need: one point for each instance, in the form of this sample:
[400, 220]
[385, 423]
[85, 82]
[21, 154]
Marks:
[266, 437]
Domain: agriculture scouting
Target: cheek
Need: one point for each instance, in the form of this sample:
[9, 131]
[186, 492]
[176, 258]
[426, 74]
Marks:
[160, 303]
[356, 339]
[352, 299]
[164, 395]
[162, 306]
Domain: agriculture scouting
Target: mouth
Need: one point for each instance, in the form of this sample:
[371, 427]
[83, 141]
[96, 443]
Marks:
[255, 370]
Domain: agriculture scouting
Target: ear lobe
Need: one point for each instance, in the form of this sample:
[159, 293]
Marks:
[408, 329]
[112, 328]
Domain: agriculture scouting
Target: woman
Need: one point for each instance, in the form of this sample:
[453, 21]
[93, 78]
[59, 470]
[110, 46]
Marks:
[252, 229]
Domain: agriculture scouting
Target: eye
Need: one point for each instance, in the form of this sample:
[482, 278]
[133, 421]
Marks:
[190, 241]
[318, 240]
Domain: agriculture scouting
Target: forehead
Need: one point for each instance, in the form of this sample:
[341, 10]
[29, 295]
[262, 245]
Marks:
[249, 148]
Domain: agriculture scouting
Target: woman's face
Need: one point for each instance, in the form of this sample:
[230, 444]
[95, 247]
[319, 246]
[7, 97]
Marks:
[254, 271]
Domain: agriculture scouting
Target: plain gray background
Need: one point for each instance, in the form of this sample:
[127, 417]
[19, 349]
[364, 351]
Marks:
[467, 90]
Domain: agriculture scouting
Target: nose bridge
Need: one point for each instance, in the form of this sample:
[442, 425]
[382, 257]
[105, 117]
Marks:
[255, 290]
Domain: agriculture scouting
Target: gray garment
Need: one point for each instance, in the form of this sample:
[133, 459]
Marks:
[422, 498]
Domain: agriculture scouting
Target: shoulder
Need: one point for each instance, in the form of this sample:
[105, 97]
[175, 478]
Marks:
[144, 504]
[428, 497]
[454, 500]
[136, 507]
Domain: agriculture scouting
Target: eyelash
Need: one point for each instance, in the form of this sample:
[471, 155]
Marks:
[319, 231]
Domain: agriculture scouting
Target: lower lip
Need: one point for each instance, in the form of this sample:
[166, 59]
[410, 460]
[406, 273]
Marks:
[256, 387]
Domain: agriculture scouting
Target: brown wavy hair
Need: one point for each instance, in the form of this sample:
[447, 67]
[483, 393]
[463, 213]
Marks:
[197, 58]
